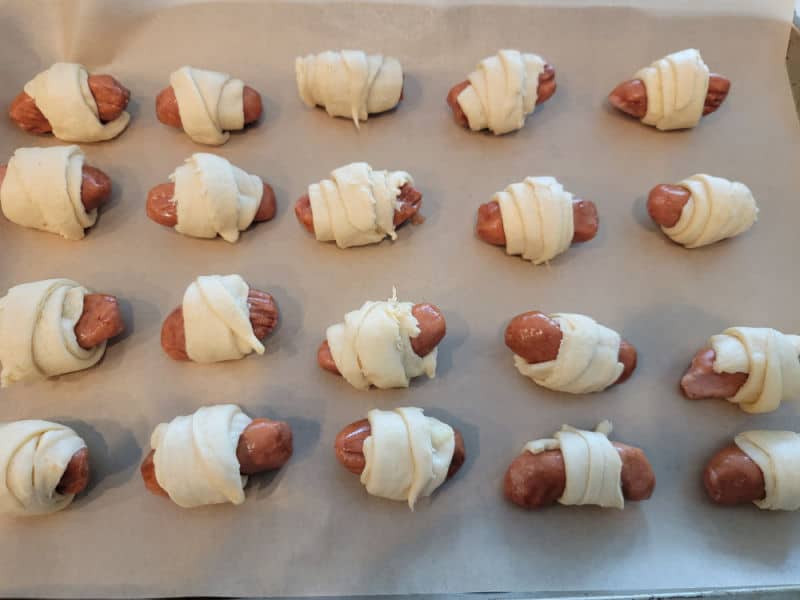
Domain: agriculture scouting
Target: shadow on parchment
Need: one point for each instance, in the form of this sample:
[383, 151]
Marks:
[457, 334]
[110, 466]
[290, 319]
[471, 437]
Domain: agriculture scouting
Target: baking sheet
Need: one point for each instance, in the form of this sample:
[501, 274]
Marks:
[311, 529]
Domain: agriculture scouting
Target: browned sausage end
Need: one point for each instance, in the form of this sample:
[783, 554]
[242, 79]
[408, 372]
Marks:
[718, 88]
[95, 188]
[100, 321]
[264, 445]
[24, 112]
[489, 226]
[585, 220]
[732, 477]
[432, 328]
[75, 478]
[534, 336]
[665, 204]
[110, 96]
[325, 358]
[630, 97]
[701, 381]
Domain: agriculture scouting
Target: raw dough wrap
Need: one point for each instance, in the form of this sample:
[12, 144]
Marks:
[42, 190]
[676, 86]
[210, 104]
[349, 83]
[717, 209]
[373, 346]
[356, 206]
[593, 466]
[407, 454]
[213, 197]
[33, 457]
[195, 456]
[216, 319]
[63, 96]
[777, 453]
[770, 359]
[537, 218]
[502, 92]
[587, 361]
[37, 331]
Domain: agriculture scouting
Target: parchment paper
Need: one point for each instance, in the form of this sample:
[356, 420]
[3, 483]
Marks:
[311, 529]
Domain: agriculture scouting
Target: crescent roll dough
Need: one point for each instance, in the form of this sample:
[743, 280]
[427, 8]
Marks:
[63, 96]
[42, 190]
[676, 86]
[210, 104]
[349, 83]
[770, 359]
[717, 209]
[593, 466]
[537, 218]
[373, 346]
[502, 92]
[588, 358]
[37, 331]
[213, 197]
[777, 453]
[33, 458]
[355, 207]
[407, 454]
[195, 456]
[216, 319]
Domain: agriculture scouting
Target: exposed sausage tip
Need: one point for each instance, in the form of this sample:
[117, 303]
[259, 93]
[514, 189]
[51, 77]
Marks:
[732, 477]
[264, 445]
[701, 381]
[100, 321]
[325, 358]
[665, 204]
[75, 478]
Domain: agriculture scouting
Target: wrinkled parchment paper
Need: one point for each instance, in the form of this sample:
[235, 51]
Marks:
[311, 529]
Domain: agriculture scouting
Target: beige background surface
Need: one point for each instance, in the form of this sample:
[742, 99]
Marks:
[311, 528]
